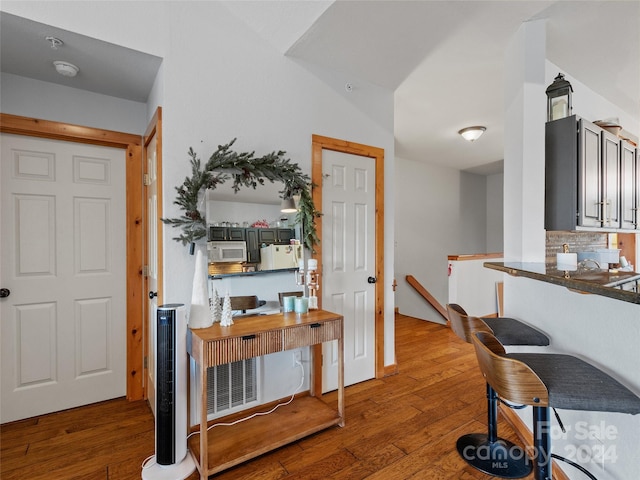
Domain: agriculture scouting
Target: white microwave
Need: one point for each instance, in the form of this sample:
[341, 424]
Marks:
[227, 252]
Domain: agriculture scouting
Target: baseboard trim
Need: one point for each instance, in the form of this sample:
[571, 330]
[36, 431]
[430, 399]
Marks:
[526, 437]
[390, 370]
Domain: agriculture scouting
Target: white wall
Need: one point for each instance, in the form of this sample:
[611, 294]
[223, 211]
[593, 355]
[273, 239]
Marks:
[441, 212]
[220, 80]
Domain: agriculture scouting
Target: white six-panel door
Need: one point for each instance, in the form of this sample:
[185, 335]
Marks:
[348, 260]
[63, 246]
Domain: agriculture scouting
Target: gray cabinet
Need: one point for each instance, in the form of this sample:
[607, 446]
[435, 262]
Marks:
[218, 234]
[598, 177]
[253, 245]
[629, 187]
[610, 198]
[589, 175]
[270, 236]
[583, 177]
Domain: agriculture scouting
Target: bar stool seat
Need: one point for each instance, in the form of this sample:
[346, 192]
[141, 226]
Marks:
[508, 331]
[574, 384]
[512, 332]
[546, 381]
[481, 450]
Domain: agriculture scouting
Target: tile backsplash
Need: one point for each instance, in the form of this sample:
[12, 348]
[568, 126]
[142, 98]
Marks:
[577, 241]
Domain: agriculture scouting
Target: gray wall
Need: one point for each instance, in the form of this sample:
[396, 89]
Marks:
[439, 212]
[48, 101]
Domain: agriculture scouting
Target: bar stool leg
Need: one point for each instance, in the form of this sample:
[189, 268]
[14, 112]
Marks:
[491, 454]
[542, 443]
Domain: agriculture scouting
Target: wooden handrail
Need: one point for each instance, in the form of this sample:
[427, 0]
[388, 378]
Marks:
[427, 296]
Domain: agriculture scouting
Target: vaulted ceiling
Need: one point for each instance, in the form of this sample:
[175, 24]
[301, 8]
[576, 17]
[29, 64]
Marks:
[442, 59]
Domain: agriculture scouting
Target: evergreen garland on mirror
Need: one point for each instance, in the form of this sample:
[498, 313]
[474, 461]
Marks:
[244, 170]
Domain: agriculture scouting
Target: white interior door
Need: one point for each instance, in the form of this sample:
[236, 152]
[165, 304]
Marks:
[348, 261]
[152, 266]
[63, 259]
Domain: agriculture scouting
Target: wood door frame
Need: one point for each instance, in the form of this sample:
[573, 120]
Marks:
[154, 129]
[318, 144]
[132, 144]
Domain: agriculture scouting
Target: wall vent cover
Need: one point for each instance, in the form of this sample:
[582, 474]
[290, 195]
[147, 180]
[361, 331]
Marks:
[231, 386]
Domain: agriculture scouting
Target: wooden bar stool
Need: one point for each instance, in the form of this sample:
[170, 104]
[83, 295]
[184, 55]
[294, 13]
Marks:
[488, 452]
[547, 380]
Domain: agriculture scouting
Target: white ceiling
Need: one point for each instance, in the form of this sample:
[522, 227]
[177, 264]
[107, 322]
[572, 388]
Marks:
[443, 59]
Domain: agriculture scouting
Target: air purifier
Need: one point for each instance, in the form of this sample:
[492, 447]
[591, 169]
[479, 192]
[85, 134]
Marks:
[172, 460]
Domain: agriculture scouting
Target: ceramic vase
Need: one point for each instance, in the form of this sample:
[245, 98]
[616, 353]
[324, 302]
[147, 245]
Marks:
[200, 313]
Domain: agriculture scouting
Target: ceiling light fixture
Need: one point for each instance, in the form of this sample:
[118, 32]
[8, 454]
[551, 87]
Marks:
[65, 68]
[472, 133]
[288, 205]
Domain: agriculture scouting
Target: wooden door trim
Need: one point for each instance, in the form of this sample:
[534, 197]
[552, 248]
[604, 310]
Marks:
[154, 129]
[132, 144]
[318, 144]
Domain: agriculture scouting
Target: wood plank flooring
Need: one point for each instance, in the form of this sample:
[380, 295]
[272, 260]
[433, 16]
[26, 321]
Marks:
[400, 427]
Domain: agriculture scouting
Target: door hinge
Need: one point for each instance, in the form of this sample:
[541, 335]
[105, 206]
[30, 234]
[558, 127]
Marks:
[145, 270]
[146, 180]
[145, 362]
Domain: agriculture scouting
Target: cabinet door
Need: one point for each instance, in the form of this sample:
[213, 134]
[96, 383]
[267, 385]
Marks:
[610, 180]
[629, 185]
[236, 233]
[253, 245]
[590, 175]
[285, 234]
[217, 234]
[268, 236]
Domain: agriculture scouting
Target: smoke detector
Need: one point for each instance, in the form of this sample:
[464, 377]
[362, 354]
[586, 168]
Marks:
[66, 69]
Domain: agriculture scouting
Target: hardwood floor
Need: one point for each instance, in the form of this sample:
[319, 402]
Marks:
[400, 427]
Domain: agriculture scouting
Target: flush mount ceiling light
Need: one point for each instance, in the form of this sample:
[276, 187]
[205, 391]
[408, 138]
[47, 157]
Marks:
[472, 133]
[65, 68]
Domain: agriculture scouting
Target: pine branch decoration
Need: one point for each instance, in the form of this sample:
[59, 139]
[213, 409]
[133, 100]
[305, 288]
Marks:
[245, 170]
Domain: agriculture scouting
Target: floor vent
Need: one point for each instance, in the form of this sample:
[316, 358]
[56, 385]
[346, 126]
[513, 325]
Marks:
[231, 386]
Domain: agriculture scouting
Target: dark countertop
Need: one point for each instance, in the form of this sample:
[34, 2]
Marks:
[218, 276]
[598, 282]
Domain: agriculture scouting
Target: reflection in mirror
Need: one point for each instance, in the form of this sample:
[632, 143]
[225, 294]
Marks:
[247, 206]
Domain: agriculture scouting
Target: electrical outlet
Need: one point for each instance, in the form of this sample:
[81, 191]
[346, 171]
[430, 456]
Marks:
[297, 357]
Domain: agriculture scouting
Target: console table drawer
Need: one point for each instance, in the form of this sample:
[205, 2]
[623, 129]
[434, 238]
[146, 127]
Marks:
[240, 348]
[312, 334]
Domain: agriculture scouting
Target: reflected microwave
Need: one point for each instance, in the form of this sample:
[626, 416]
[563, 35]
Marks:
[227, 252]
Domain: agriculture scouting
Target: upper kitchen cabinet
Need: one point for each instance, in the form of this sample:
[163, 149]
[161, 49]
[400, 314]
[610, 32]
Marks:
[630, 187]
[218, 234]
[270, 236]
[599, 184]
[583, 172]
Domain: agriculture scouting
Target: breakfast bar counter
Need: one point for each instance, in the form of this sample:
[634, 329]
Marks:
[616, 284]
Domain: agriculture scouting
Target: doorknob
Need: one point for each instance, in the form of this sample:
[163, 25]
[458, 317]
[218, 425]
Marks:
[152, 294]
[4, 292]
[372, 280]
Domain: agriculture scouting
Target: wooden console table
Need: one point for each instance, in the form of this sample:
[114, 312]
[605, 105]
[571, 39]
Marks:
[224, 447]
